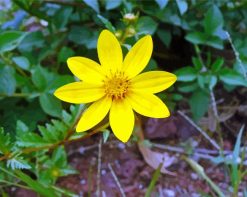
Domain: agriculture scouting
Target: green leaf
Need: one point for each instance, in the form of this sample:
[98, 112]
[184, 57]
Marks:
[21, 127]
[61, 18]
[54, 132]
[213, 20]
[109, 4]
[18, 163]
[22, 62]
[39, 77]
[9, 40]
[186, 74]
[7, 80]
[196, 37]
[50, 104]
[60, 126]
[43, 190]
[215, 42]
[46, 81]
[146, 25]
[217, 64]
[67, 171]
[58, 130]
[236, 151]
[64, 54]
[93, 4]
[182, 6]
[200, 171]
[106, 135]
[68, 118]
[49, 133]
[33, 40]
[5, 142]
[212, 82]
[162, 3]
[59, 157]
[231, 77]
[201, 79]
[83, 36]
[186, 88]
[199, 102]
[165, 36]
[177, 97]
[31, 140]
[107, 23]
[197, 63]
[154, 179]
[205, 39]
[58, 81]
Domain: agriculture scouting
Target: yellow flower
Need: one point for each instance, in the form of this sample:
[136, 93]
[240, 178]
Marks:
[116, 86]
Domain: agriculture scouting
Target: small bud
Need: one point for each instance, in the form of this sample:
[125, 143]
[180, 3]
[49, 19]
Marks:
[130, 18]
[130, 31]
[44, 23]
[118, 33]
[55, 173]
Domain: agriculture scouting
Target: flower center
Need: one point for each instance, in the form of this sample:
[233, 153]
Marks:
[116, 85]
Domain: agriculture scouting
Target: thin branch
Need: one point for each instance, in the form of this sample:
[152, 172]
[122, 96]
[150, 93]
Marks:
[181, 150]
[214, 105]
[116, 180]
[15, 184]
[99, 167]
[15, 95]
[200, 130]
[236, 53]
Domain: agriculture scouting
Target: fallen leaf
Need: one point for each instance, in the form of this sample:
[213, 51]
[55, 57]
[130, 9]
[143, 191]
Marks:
[154, 159]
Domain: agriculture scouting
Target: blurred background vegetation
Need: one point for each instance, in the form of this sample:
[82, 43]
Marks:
[203, 42]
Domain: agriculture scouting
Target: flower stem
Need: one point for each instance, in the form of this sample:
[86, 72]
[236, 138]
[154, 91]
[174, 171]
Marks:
[15, 95]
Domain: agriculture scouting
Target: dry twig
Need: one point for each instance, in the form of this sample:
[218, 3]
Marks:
[116, 180]
[99, 167]
[200, 130]
[236, 53]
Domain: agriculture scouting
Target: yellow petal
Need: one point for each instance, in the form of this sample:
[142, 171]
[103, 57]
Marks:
[86, 70]
[109, 51]
[122, 119]
[94, 114]
[79, 92]
[153, 81]
[148, 105]
[138, 56]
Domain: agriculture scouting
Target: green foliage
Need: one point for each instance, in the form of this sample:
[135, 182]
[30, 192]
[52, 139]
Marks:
[199, 102]
[146, 25]
[200, 171]
[7, 80]
[50, 134]
[106, 135]
[5, 142]
[48, 168]
[9, 40]
[155, 178]
[36, 186]
[234, 162]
